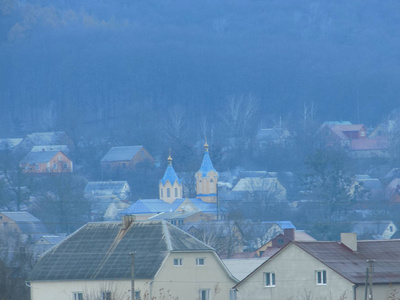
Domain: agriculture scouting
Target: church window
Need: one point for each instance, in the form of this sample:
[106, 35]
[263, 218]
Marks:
[211, 180]
[168, 192]
[176, 192]
[161, 193]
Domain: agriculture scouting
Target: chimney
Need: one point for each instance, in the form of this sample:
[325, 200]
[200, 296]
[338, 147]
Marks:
[127, 220]
[349, 240]
[289, 233]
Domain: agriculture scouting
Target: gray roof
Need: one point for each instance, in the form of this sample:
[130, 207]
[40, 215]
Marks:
[63, 148]
[122, 153]
[352, 265]
[27, 223]
[101, 251]
[38, 157]
[173, 215]
[105, 188]
[240, 268]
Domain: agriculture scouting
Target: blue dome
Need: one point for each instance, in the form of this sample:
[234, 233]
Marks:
[206, 165]
[170, 175]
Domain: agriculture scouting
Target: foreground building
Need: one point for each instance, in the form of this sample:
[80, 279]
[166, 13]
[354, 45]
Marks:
[327, 270]
[95, 263]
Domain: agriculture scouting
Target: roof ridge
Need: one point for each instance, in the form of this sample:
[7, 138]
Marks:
[166, 235]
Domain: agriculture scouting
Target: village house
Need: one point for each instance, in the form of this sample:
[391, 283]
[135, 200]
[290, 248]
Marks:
[52, 161]
[45, 138]
[392, 191]
[124, 158]
[96, 261]
[23, 223]
[274, 136]
[326, 270]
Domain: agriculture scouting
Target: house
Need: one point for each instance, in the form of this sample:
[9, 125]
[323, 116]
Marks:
[125, 158]
[46, 242]
[9, 144]
[379, 230]
[98, 261]
[44, 138]
[353, 138]
[273, 136]
[52, 161]
[326, 270]
[282, 239]
[107, 198]
[364, 188]
[28, 226]
[266, 187]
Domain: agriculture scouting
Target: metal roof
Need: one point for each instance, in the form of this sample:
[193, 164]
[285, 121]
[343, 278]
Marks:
[105, 187]
[123, 153]
[27, 223]
[101, 251]
[39, 157]
[352, 265]
[170, 175]
[206, 165]
[63, 148]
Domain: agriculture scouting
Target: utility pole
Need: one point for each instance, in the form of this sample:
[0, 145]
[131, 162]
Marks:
[132, 254]
[368, 280]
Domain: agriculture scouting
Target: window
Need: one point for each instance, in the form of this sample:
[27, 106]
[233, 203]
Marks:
[176, 192]
[161, 192]
[233, 295]
[200, 261]
[320, 277]
[178, 261]
[54, 166]
[391, 228]
[204, 294]
[362, 133]
[180, 222]
[59, 158]
[137, 295]
[65, 166]
[105, 295]
[168, 192]
[211, 180]
[78, 296]
[269, 279]
[281, 241]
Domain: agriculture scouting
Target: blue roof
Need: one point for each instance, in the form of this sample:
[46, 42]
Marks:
[170, 175]
[206, 165]
[146, 206]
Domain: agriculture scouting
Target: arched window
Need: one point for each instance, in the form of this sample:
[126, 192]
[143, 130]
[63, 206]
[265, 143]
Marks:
[176, 192]
[168, 193]
[161, 193]
[211, 180]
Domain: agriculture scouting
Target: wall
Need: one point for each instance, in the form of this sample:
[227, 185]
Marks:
[295, 279]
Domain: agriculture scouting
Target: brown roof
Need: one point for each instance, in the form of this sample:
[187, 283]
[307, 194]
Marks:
[340, 129]
[352, 265]
[369, 144]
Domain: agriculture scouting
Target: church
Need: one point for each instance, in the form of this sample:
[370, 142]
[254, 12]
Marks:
[171, 202]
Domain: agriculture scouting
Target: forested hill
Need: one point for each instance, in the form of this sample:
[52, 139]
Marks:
[121, 65]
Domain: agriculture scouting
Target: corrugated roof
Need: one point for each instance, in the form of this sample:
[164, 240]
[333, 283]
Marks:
[123, 153]
[39, 157]
[206, 165]
[170, 175]
[352, 265]
[104, 188]
[101, 251]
